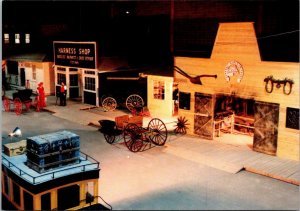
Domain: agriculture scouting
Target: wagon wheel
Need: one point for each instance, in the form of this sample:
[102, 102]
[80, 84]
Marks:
[134, 101]
[181, 125]
[158, 132]
[109, 138]
[109, 104]
[18, 106]
[132, 137]
[103, 97]
[6, 103]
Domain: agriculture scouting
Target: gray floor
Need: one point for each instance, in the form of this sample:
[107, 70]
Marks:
[166, 177]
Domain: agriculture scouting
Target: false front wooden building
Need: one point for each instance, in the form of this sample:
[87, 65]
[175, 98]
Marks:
[247, 95]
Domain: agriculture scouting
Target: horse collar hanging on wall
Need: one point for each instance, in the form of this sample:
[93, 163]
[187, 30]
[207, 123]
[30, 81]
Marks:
[233, 68]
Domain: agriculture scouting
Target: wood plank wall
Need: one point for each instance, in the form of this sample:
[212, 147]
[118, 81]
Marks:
[237, 42]
[160, 107]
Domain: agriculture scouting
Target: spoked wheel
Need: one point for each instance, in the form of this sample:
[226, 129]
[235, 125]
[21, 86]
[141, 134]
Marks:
[109, 138]
[134, 101]
[103, 97]
[109, 104]
[132, 137]
[158, 132]
[18, 106]
[6, 103]
[181, 125]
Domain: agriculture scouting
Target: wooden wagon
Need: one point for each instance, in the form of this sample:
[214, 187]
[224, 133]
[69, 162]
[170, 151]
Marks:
[135, 136]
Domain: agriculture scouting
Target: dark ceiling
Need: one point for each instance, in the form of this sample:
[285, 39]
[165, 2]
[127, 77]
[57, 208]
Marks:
[143, 29]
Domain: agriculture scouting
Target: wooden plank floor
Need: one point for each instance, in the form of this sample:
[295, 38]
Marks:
[232, 156]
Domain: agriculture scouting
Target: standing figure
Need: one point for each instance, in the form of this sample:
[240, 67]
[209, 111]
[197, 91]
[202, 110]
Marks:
[63, 94]
[41, 95]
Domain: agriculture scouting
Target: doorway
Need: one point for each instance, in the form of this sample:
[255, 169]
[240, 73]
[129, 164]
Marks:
[266, 120]
[22, 76]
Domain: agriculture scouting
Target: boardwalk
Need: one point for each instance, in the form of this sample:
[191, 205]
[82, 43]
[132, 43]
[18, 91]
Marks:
[233, 157]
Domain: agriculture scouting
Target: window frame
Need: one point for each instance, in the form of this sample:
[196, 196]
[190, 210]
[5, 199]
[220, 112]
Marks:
[17, 38]
[159, 89]
[27, 38]
[90, 83]
[6, 38]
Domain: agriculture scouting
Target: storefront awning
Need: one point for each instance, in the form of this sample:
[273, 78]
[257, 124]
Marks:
[33, 57]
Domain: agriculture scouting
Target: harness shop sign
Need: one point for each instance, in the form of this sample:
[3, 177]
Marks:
[75, 54]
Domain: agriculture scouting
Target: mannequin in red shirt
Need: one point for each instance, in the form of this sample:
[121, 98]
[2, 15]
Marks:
[63, 94]
[41, 95]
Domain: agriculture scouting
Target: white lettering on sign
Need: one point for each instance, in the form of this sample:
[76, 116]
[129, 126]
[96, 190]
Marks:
[67, 50]
[89, 58]
[61, 56]
[71, 57]
[74, 62]
[84, 51]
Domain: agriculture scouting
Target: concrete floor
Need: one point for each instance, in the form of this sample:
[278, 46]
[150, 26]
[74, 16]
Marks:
[168, 177]
[165, 178]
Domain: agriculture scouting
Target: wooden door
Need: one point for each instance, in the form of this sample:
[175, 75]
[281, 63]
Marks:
[204, 112]
[266, 117]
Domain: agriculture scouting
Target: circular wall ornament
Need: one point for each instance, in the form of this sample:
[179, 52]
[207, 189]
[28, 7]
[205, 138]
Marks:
[233, 68]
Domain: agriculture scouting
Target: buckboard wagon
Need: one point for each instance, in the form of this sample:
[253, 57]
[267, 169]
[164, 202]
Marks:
[135, 136]
[20, 98]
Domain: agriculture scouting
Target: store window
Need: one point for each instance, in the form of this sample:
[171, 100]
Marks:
[6, 184]
[16, 193]
[73, 69]
[17, 38]
[27, 38]
[61, 69]
[89, 83]
[46, 201]
[89, 72]
[89, 192]
[159, 90]
[184, 100]
[6, 38]
[28, 201]
[70, 192]
[12, 67]
[33, 72]
[74, 80]
[61, 78]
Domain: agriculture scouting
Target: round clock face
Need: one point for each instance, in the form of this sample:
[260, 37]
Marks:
[233, 68]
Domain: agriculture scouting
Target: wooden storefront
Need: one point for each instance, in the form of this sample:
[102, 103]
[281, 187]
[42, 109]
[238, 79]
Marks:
[265, 94]
[28, 70]
[76, 66]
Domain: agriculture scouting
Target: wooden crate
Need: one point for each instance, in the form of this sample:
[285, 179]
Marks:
[121, 121]
[138, 120]
[17, 148]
